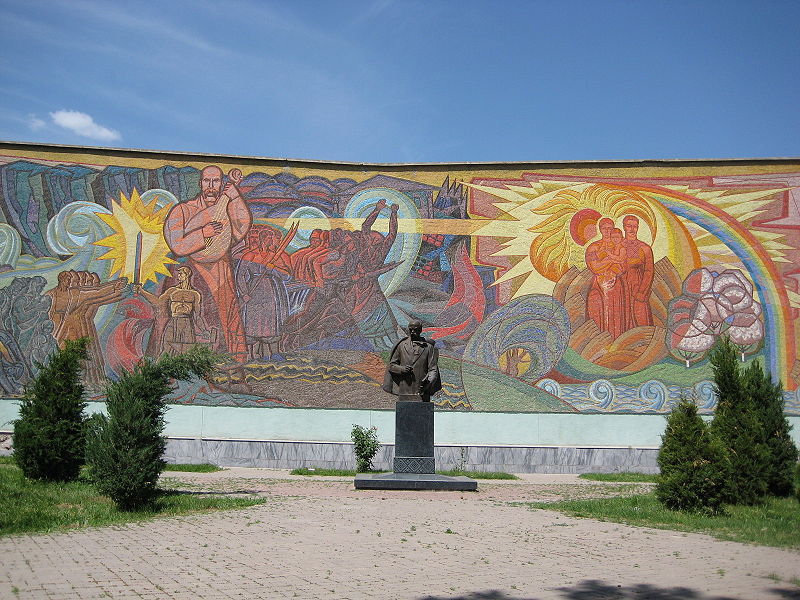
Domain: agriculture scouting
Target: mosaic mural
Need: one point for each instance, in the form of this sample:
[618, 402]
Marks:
[546, 290]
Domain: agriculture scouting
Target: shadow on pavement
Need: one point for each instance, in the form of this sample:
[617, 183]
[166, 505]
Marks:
[592, 589]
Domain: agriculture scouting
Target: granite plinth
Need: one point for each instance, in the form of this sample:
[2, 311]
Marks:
[414, 481]
[413, 433]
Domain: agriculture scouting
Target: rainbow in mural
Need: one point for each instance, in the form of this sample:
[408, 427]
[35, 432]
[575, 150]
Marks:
[547, 288]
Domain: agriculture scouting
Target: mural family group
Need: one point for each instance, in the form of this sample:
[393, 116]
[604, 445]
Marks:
[547, 288]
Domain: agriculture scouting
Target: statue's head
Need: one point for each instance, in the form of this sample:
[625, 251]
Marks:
[415, 329]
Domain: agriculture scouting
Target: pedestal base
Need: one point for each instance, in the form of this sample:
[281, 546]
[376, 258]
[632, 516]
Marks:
[415, 464]
[414, 481]
[413, 447]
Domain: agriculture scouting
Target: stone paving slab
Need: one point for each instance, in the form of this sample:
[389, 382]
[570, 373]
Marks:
[327, 540]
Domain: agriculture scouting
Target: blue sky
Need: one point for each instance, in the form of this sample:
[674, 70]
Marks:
[406, 81]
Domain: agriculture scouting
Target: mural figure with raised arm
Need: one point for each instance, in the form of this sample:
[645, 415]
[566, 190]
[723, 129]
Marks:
[181, 305]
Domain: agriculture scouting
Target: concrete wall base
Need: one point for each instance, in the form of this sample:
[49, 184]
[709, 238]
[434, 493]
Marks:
[339, 455]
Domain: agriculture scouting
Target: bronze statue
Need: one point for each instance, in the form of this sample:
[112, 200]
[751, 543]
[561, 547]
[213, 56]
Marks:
[412, 372]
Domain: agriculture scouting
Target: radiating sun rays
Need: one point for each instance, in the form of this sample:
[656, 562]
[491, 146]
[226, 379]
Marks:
[128, 218]
[536, 232]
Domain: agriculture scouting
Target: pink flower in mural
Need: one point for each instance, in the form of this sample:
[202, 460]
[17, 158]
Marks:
[713, 304]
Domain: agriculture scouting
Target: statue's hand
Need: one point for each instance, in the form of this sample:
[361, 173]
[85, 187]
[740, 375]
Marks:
[407, 369]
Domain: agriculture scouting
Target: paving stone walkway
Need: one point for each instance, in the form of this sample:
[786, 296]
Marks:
[323, 539]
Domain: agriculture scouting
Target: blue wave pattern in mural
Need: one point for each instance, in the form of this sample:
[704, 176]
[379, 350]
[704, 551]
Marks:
[603, 396]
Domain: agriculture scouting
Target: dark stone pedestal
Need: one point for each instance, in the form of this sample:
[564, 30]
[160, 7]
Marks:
[413, 437]
[414, 465]
[413, 481]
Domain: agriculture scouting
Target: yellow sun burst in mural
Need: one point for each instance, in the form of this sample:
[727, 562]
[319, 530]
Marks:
[130, 218]
[538, 224]
[540, 227]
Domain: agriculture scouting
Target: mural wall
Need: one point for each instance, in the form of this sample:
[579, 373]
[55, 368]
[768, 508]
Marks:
[547, 288]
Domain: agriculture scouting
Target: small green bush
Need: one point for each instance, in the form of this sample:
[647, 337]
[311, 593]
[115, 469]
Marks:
[694, 466]
[365, 446]
[49, 437]
[737, 426]
[768, 404]
[124, 449]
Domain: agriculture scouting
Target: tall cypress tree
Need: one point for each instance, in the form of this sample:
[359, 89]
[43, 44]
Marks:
[768, 405]
[738, 427]
[49, 435]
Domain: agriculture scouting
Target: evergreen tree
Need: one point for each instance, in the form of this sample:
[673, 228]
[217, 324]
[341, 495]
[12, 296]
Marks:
[49, 435]
[768, 404]
[737, 426]
[694, 465]
[797, 482]
[124, 449]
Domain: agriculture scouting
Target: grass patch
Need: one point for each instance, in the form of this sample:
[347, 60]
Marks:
[775, 523]
[202, 468]
[478, 474]
[7, 460]
[40, 507]
[624, 477]
[352, 473]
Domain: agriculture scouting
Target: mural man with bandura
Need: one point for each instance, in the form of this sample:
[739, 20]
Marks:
[204, 230]
[638, 275]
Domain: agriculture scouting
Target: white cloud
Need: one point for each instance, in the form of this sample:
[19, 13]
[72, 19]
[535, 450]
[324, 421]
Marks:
[84, 125]
[35, 122]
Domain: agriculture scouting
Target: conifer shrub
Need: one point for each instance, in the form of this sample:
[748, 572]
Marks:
[737, 426]
[768, 404]
[49, 435]
[693, 465]
[365, 446]
[124, 449]
[797, 482]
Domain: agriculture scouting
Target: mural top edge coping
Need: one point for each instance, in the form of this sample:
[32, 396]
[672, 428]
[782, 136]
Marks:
[352, 165]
